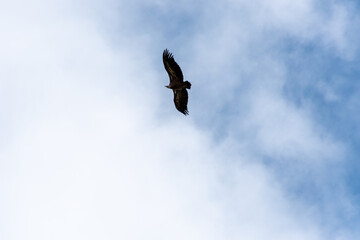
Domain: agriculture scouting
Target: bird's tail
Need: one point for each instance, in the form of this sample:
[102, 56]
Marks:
[187, 84]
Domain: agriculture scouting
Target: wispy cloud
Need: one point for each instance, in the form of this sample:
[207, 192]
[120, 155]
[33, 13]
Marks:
[93, 147]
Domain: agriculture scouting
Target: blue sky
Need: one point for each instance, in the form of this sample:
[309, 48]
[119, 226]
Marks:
[92, 146]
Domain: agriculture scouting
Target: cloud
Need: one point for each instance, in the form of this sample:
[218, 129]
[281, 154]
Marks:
[94, 148]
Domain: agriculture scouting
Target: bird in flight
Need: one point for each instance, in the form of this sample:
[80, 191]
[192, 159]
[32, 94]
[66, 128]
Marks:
[177, 83]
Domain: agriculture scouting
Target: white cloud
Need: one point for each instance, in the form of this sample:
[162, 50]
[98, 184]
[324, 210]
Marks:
[91, 153]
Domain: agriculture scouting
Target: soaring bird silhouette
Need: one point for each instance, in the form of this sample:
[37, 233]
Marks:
[177, 83]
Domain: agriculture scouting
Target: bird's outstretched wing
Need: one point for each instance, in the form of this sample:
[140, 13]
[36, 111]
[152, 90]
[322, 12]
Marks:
[181, 100]
[172, 67]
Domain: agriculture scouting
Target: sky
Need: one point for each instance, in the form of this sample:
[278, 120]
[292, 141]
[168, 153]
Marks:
[92, 147]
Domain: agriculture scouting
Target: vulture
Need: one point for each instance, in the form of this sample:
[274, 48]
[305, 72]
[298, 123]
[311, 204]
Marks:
[177, 83]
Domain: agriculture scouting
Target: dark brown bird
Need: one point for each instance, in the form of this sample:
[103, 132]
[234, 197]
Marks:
[177, 83]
